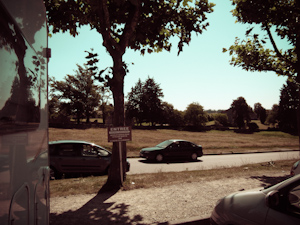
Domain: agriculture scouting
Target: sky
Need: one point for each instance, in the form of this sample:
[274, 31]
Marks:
[200, 74]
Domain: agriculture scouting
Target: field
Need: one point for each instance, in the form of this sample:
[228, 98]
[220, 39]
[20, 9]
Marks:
[213, 142]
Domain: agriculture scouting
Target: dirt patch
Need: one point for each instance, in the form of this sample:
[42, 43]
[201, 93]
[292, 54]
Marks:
[153, 205]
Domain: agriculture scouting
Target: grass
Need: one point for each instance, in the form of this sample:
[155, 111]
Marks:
[91, 185]
[216, 142]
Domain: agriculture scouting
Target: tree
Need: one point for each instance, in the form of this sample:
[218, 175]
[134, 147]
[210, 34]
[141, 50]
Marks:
[273, 116]
[222, 119]
[53, 107]
[253, 53]
[241, 112]
[195, 115]
[171, 116]
[145, 26]
[144, 102]
[151, 101]
[80, 94]
[288, 107]
[260, 112]
[134, 103]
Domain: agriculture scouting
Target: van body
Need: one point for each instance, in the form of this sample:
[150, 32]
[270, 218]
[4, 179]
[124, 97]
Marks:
[24, 170]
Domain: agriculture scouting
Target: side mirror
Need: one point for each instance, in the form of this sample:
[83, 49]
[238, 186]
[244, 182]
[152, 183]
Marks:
[272, 199]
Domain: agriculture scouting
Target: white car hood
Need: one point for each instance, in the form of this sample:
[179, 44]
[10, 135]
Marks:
[245, 207]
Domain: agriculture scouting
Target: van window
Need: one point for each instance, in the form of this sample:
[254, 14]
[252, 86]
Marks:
[88, 150]
[66, 150]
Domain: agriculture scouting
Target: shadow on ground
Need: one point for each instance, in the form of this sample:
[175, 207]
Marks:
[97, 212]
[269, 180]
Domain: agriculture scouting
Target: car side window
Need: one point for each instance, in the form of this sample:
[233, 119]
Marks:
[193, 145]
[88, 150]
[66, 150]
[101, 152]
[294, 200]
[174, 145]
[185, 145]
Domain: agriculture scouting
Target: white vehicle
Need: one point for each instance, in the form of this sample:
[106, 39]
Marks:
[24, 169]
[276, 205]
[295, 168]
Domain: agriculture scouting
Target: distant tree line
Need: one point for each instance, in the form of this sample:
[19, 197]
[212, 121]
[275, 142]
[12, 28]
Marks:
[77, 97]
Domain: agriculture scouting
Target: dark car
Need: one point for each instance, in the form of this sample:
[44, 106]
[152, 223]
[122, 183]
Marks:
[172, 149]
[71, 157]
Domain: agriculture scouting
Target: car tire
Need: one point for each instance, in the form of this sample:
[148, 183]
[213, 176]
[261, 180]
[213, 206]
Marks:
[194, 156]
[159, 158]
[53, 173]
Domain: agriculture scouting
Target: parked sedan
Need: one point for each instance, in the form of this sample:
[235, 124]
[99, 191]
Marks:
[78, 157]
[172, 149]
[275, 205]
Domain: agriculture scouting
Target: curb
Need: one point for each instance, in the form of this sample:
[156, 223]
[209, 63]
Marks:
[196, 220]
[259, 151]
[231, 153]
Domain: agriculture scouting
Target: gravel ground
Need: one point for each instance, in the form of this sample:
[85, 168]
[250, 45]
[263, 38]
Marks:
[154, 205]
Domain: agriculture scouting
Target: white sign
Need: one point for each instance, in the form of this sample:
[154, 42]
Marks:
[116, 134]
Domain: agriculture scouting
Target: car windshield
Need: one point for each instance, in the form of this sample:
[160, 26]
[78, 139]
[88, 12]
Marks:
[164, 144]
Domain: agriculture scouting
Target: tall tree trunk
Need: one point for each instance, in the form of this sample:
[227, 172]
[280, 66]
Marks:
[297, 50]
[117, 169]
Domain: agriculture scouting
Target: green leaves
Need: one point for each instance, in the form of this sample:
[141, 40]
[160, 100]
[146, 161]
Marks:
[144, 101]
[252, 53]
[195, 115]
[77, 94]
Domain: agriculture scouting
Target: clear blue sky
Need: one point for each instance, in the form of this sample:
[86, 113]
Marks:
[201, 73]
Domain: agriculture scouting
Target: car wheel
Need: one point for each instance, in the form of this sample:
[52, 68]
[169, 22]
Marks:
[194, 156]
[52, 173]
[159, 158]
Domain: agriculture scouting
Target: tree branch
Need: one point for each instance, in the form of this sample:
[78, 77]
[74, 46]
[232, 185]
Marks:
[278, 53]
[130, 26]
[105, 29]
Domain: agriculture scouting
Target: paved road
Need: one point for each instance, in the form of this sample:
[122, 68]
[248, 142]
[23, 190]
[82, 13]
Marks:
[138, 165]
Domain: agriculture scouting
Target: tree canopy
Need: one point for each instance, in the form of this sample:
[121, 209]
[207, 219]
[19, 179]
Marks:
[253, 53]
[260, 112]
[288, 107]
[144, 102]
[241, 112]
[273, 115]
[79, 94]
[134, 104]
[195, 115]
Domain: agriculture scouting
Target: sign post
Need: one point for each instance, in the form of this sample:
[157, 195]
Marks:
[119, 134]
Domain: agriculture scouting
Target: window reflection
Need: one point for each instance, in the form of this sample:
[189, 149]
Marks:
[23, 83]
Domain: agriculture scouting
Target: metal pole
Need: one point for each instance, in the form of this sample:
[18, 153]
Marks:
[121, 160]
